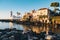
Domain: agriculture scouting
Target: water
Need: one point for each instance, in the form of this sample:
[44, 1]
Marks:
[36, 29]
[4, 25]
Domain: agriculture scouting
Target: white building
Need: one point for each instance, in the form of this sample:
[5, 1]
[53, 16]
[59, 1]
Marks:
[44, 13]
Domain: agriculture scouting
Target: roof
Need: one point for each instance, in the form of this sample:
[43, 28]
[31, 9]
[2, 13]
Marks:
[43, 8]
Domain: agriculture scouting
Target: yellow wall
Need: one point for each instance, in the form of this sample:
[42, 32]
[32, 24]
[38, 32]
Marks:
[56, 18]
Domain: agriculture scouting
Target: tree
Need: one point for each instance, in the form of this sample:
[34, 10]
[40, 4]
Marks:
[18, 13]
[55, 5]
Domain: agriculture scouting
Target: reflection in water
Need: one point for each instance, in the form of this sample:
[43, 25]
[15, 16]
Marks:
[25, 28]
[10, 25]
[39, 29]
[33, 31]
[42, 29]
[17, 26]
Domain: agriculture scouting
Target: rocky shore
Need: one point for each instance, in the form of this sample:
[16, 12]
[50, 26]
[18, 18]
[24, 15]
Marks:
[14, 34]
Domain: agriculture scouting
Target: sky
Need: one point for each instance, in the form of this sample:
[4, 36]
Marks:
[22, 6]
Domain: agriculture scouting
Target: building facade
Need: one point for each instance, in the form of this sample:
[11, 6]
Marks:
[41, 15]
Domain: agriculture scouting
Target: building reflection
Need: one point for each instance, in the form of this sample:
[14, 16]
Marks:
[25, 28]
[36, 29]
[47, 29]
[39, 29]
[56, 29]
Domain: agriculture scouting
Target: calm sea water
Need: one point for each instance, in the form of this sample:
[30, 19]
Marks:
[4, 25]
[36, 29]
